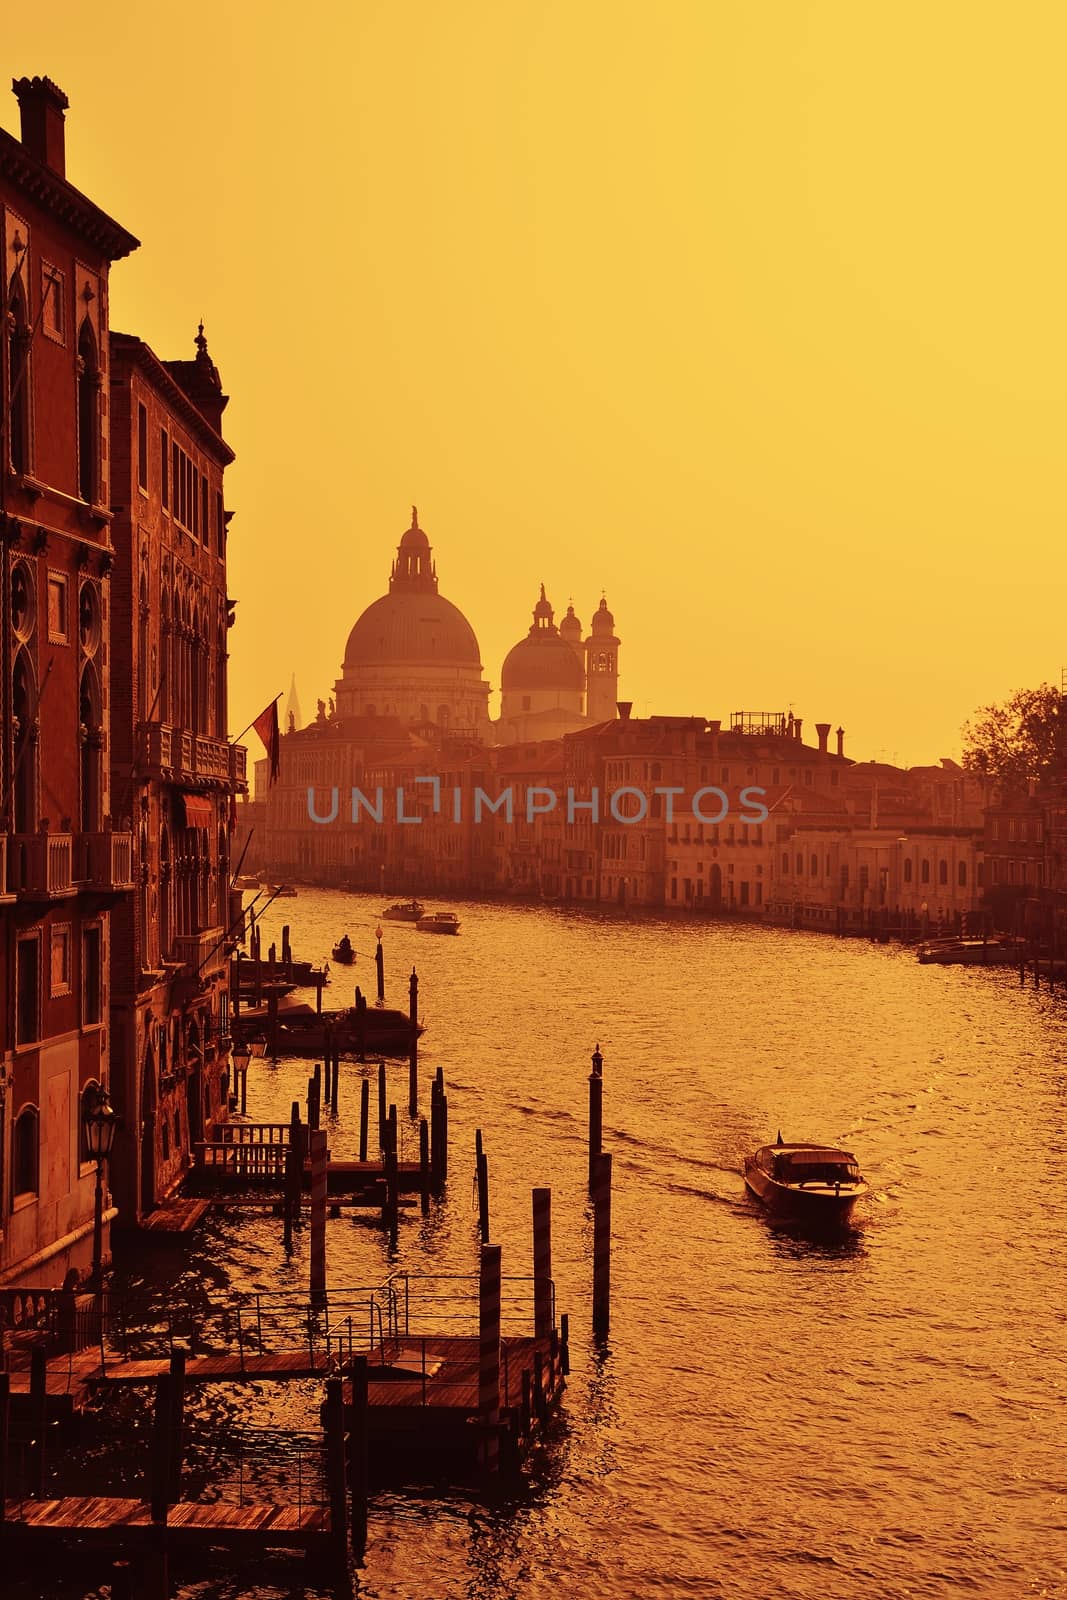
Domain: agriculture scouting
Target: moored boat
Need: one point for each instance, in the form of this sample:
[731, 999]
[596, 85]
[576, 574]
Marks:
[965, 952]
[438, 922]
[245, 882]
[815, 1183]
[404, 911]
[283, 891]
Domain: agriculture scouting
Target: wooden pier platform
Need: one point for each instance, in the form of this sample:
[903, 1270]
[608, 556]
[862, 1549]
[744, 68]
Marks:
[129, 1524]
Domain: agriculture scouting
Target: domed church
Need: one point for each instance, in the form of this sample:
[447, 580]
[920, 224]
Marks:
[552, 683]
[413, 655]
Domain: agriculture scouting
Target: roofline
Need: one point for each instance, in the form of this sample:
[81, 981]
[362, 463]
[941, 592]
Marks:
[140, 354]
[38, 182]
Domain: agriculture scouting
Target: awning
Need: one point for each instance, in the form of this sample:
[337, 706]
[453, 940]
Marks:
[198, 811]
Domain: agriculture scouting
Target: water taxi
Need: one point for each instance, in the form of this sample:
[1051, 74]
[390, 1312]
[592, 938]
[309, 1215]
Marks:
[438, 922]
[809, 1182]
[404, 911]
[967, 952]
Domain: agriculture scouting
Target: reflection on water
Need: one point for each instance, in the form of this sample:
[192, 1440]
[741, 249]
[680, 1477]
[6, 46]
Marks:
[775, 1415]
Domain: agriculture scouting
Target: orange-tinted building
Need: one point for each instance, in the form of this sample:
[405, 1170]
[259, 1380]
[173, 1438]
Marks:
[65, 840]
[172, 766]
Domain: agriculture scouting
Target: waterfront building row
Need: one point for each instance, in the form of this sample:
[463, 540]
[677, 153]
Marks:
[116, 776]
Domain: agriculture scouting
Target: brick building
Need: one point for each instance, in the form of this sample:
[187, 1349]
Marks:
[65, 843]
[171, 765]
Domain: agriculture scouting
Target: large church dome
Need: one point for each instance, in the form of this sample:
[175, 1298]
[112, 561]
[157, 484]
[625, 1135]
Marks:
[413, 654]
[412, 623]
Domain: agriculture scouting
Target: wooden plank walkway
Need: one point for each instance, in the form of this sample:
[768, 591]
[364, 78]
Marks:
[188, 1523]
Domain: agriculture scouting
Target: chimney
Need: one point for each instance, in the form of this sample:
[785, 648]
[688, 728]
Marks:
[798, 723]
[624, 707]
[840, 741]
[42, 104]
[823, 730]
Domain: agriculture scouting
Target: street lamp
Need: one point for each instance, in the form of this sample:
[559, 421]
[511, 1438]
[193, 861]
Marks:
[99, 1121]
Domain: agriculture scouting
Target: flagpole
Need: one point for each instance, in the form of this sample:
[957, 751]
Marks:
[255, 719]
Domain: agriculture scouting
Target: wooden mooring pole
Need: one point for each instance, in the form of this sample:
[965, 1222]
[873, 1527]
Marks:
[358, 1447]
[334, 1422]
[382, 1113]
[364, 1117]
[413, 1053]
[39, 1414]
[177, 1419]
[379, 967]
[596, 1112]
[489, 1357]
[392, 1179]
[424, 1166]
[542, 1262]
[319, 1164]
[602, 1248]
[481, 1174]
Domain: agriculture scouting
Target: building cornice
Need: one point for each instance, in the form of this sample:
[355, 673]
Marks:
[129, 348]
[62, 201]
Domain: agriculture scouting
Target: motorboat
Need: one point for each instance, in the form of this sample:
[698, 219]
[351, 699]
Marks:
[404, 911]
[283, 891]
[246, 882]
[816, 1183]
[438, 922]
[343, 951]
[964, 952]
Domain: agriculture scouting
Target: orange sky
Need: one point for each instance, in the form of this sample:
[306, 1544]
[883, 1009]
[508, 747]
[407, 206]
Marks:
[751, 315]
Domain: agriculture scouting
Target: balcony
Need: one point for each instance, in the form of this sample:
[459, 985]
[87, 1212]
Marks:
[176, 755]
[40, 865]
[238, 764]
[202, 953]
[104, 860]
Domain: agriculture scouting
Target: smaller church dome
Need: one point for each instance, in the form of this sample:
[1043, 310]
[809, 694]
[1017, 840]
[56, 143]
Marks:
[414, 539]
[570, 628]
[543, 660]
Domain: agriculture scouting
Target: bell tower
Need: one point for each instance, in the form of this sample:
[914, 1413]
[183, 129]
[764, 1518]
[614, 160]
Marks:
[602, 667]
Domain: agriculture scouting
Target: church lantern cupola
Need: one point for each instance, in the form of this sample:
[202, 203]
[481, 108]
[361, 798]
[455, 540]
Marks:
[602, 666]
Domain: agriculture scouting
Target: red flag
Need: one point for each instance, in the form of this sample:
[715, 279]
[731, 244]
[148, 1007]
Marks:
[266, 725]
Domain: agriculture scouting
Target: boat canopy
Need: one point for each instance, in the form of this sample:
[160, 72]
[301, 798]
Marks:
[816, 1158]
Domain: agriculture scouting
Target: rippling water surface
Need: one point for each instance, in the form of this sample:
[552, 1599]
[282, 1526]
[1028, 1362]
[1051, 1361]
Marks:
[772, 1417]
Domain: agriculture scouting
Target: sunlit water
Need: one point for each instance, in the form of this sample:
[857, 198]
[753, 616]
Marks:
[773, 1417]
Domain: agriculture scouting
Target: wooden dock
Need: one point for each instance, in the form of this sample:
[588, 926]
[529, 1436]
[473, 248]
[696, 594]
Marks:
[176, 1217]
[129, 1524]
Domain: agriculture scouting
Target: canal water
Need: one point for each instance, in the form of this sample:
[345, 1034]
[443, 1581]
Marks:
[771, 1417]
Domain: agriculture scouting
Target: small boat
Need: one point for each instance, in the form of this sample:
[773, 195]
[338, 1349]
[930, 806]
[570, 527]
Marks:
[438, 922]
[964, 952]
[282, 891]
[343, 951]
[404, 911]
[246, 882]
[808, 1182]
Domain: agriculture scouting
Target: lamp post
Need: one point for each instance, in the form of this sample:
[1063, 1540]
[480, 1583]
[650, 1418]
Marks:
[99, 1121]
[241, 1057]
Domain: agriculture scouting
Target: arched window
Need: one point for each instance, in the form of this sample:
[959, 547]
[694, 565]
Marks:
[814, 865]
[88, 414]
[442, 716]
[165, 891]
[24, 720]
[165, 701]
[92, 746]
[962, 875]
[17, 367]
[145, 688]
[26, 1145]
[907, 870]
[942, 871]
[800, 865]
[924, 872]
[785, 862]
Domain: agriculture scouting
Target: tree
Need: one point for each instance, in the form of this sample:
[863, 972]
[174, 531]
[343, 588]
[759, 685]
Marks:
[1018, 742]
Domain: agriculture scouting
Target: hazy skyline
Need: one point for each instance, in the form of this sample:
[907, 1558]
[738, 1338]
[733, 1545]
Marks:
[751, 318]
